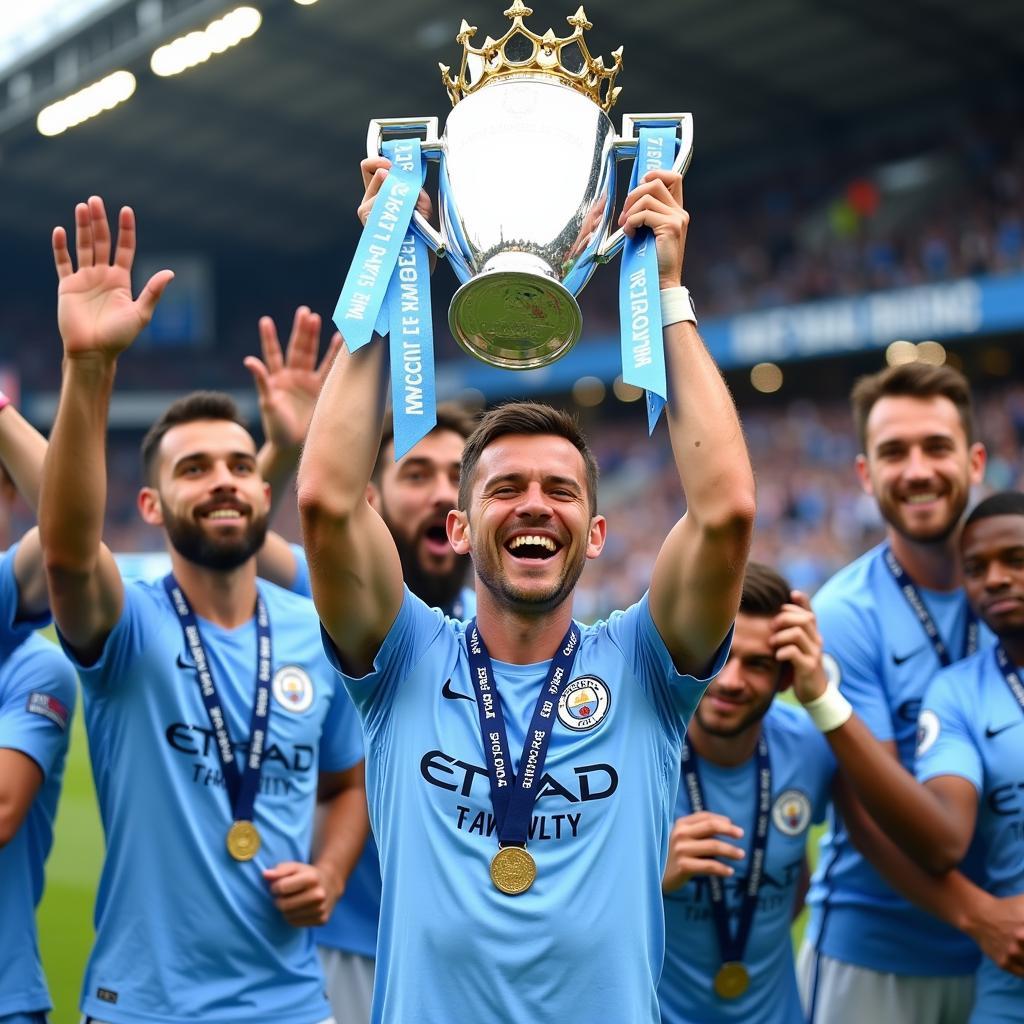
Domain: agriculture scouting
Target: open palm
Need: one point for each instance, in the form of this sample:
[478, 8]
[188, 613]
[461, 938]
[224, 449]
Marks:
[96, 313]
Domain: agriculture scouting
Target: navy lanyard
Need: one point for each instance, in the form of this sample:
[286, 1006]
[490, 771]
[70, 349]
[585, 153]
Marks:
[1010, 675]
[909, 590]
[732, 947]
[513, 797]
[241, 786]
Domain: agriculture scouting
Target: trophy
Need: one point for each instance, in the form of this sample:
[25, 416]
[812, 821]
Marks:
[526, 180]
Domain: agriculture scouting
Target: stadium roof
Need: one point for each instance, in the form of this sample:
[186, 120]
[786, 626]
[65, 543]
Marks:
[257, 148]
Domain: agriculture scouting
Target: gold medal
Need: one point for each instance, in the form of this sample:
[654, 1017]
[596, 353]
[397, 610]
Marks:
[243, 840]
[513, 870]
[732, 980]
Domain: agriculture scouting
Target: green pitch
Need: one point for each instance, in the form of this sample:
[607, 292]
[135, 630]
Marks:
[72, 875]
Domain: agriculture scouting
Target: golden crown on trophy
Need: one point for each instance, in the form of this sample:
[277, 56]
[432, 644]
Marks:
[520, 51]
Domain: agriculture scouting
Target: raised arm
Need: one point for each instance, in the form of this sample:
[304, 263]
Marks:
[354, 567]
[287, 384]
[695, 588]
[98, 320]
[22, 450]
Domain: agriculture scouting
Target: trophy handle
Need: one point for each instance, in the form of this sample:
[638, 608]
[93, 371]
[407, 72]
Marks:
[625, 149]
[382, 128]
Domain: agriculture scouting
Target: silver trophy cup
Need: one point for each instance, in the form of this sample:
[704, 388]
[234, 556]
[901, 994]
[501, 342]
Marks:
[527, 174]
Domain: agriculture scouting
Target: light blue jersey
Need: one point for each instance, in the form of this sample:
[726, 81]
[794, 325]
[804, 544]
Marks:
[586, 941]
[183, 932]
[37, 699]
[885, 662]
[353, 925]
[972, 726]
[802, 771]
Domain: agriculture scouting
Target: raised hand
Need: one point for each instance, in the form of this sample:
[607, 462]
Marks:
[96, 313]
[657, 203]
[797, 642]
[374, 170]
[694, 848]
[288, 383]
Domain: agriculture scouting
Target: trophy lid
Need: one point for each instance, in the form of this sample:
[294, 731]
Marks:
[520, 51]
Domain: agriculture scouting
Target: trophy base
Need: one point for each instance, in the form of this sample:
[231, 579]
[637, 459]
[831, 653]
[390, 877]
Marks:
[514, 319]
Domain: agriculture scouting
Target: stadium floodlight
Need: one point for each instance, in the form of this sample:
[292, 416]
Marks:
[305, 3]
[80, 106]
[197, 47]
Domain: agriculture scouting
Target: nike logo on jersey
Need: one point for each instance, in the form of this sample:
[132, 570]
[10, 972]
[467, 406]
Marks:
[898, 660]
[990, 732]
[447, 691]
[182, 663]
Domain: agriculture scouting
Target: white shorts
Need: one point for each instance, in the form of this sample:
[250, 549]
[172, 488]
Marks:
[349, 979]
[835, 992]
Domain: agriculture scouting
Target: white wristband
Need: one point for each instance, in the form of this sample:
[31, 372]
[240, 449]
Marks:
[676, 306]
[830, 710]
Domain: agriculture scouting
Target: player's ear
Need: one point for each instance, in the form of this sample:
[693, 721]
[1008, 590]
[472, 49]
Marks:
[150, 507]
[864, 474]
[457, 525]
[373, 497]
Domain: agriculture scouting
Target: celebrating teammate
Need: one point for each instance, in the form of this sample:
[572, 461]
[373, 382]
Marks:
[890, 620]
[755, 774]
[37, 699]
[501, 892]
[205, 893]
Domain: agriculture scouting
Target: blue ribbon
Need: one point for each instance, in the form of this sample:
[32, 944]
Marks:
[513, 797]
[643, 350]
[243, 785]
[394, 265]
[413, 398]
[366, 283]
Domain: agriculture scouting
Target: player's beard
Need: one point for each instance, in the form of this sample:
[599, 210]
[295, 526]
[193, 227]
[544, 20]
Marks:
[491, 574]
[436, 589]
[753, 716]
[194, 544]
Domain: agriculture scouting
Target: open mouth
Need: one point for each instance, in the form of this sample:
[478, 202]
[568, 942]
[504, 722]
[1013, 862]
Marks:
[924, 498]
[222, 513]
[435, 537]
[533, 546]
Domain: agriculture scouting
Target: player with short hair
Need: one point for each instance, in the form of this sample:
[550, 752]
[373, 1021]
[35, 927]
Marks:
[755, 774]
[38, 690]
[206, 895]
[890, 620]
[545, 905]
[970, 754]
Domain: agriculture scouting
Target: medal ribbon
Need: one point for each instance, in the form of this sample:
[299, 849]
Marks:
[732, 947]
[643, 348]
[387, 290]
[513, 797]
[1010, 675]
[242, 785]
[913, 596]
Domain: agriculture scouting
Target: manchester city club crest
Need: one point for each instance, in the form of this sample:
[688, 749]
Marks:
[791, 812]
[584, 703]
[293, 688]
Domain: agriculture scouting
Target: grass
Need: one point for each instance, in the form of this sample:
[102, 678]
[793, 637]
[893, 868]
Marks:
[72, 876]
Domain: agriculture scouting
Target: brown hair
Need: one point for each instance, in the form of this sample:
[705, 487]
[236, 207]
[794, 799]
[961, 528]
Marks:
[914, 380]
[525, 418]
[199, 405]
[450, 416]
[764, 590]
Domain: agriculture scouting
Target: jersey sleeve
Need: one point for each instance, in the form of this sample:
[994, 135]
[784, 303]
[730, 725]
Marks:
[13, 630]
[852, 643]
[301, 584]
[341, 739]
[38, 704]
[126, 641]
[945, 740]
[674, 694]
[411, 634]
